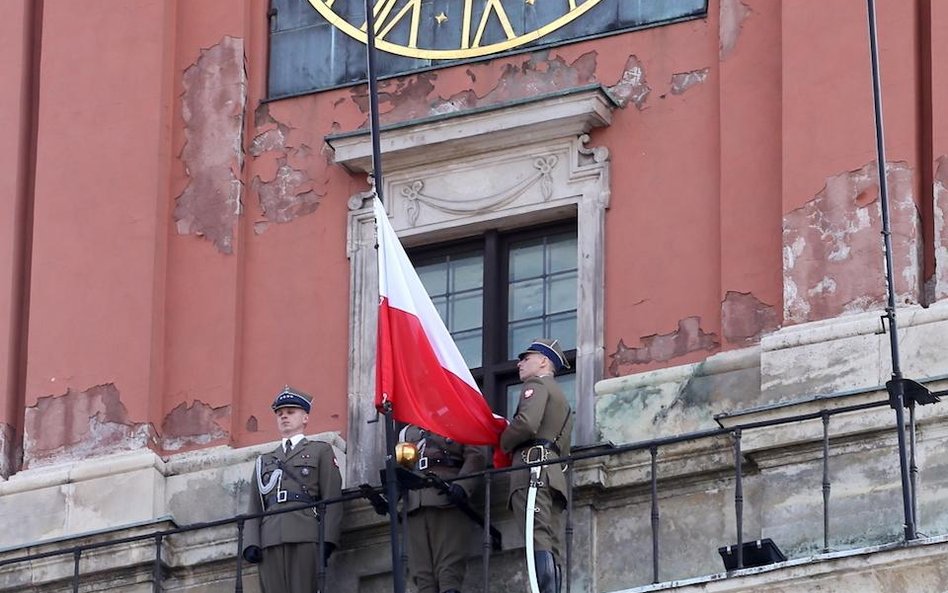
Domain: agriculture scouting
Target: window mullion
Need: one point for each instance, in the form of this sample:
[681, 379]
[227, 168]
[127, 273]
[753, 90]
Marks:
[495, 317]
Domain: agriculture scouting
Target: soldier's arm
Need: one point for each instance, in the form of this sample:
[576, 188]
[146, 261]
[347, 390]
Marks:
[474, 461]
[526, 422]
[252, 526]
[330, 486]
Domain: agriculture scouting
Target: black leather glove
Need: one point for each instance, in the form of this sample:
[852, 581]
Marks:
[456, 494]
[328, 549]
[253, 554]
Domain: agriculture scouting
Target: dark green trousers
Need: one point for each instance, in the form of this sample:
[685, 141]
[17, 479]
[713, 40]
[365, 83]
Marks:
[437, 548]
[290, 568]
[547, 521]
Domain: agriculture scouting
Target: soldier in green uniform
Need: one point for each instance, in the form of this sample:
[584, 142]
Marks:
[298, 472]
[540, 430]
[437, 529]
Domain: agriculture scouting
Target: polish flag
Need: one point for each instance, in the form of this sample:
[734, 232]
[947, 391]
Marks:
[419, 369]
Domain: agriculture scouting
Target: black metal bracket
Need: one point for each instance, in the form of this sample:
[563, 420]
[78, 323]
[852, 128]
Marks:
[912, 392]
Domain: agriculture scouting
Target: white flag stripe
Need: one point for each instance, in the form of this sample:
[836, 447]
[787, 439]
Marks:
[399, 282]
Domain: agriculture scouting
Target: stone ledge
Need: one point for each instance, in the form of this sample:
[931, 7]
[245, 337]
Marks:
[546, 117]
[883, 568]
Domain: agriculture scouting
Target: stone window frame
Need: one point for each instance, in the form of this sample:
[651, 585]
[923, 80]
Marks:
[540, 144]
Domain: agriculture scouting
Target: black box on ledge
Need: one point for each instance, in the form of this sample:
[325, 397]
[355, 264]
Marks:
[757, 553]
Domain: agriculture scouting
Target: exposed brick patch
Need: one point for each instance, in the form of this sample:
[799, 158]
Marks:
[733, 14]
[940, 208]
[78, 425]
[683, 81]
[212, 106]
[195, 424]
[632, 86]
[689, 337]
[7, 450]
[833, 250]
[745, 318]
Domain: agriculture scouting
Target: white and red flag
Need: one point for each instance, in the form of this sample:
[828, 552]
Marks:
[419, 369]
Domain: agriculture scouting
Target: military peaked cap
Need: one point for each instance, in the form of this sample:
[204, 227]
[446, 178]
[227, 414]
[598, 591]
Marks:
[549, 348]
[292, 398]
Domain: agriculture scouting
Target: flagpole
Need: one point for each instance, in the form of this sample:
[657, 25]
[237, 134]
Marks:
[391, 486]
[896, 386]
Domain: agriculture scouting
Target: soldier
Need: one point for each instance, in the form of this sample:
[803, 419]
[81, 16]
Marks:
[298, 472]
[540, 430]
[437, 529]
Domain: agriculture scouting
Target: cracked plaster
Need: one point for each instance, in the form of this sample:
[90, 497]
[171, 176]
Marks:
[7, 450]
[744, 318]
[733, 14]
[833, 252]
[940, 209]
[195, 424]
[683, 81]
[78, 425]
[212, 106]
[689, 337]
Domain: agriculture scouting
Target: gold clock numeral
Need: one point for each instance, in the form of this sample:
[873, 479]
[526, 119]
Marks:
[383, 8]
[493, 6]
[391, 15]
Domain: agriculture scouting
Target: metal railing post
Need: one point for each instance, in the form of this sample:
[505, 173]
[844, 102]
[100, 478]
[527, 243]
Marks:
[654, 515]
[569, 529]
[739, 498]
[486, 543]
[826, 481]
[239, 584]
[75, 570]
[156, 566]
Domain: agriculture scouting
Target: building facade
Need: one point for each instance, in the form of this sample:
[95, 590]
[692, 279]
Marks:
[685, 192]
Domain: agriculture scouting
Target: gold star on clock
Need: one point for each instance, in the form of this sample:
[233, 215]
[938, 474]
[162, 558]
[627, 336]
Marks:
[441, 18]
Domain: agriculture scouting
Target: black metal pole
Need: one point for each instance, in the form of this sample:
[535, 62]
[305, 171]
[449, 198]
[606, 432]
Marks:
[896, 387]
[373, 90]
[398, 574]
[391, 492]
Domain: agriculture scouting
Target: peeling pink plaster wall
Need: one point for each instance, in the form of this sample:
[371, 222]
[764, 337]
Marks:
[941, 227]
[78, 425]
[833, 251]
[688, 338]
[745, 318]
[213, 106]
[195, 424]
[100, 214]
[8, 450]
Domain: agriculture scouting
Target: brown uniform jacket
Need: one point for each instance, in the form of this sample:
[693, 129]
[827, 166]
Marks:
[447, 459]
[311, 471]
[542, 413]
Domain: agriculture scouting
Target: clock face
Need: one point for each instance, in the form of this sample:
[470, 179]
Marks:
[452, 29]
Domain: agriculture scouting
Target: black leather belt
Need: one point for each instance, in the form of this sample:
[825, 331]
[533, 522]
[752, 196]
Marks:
[285, 496]
[426, 462]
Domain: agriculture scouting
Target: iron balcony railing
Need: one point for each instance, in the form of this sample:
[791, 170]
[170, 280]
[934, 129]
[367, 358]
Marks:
[735, 432]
